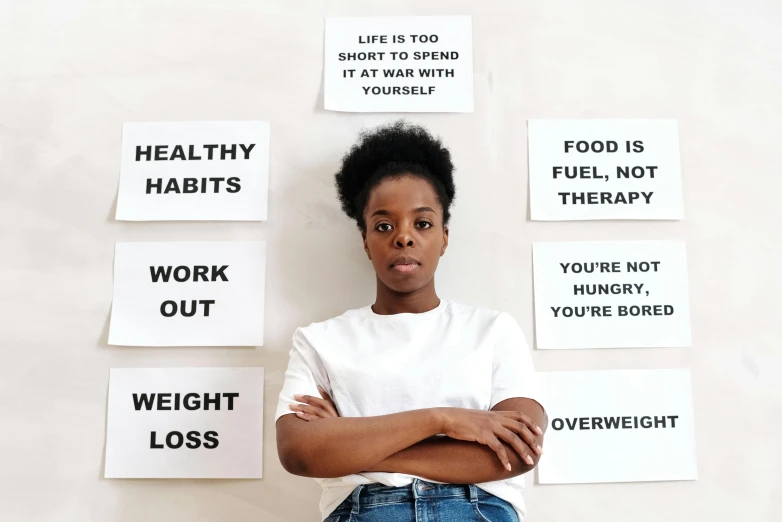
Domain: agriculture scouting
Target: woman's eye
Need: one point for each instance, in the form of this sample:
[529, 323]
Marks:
[381, 227]
[424, 224]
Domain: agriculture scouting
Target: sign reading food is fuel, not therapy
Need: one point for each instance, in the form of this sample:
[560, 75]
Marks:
[618, 426]
[185, 423]
[399, 64]
[210, 170]
[604, 169]
[188, 294]
[611, 294]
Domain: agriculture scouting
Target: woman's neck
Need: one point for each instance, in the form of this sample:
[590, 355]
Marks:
[388, 302]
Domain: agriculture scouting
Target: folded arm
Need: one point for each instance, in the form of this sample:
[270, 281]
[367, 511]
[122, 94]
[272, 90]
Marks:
[461, 462]
[337, 446]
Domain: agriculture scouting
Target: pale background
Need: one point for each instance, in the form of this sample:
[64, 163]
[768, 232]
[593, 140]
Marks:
[71, 72]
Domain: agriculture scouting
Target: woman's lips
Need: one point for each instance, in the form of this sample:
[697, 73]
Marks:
[405, 267]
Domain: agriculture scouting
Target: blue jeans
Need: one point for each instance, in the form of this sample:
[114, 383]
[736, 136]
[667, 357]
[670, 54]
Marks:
[422, 501]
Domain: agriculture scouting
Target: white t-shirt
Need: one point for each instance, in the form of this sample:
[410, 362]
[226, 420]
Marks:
[454, 355]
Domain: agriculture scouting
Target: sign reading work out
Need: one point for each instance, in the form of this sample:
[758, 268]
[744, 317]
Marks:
[188, 294]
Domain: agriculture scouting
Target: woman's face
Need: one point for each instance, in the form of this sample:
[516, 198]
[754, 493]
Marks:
[405, 236]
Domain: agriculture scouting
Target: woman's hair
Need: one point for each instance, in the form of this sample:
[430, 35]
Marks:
[388, 151]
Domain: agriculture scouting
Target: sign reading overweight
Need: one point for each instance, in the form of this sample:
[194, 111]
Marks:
[185, 423]
[604, 169]
[214, 170]
[188, 294]
[399, 64]
[611, 294]
[618, 426]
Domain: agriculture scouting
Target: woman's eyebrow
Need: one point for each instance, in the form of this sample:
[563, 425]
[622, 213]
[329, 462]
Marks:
[424, 209]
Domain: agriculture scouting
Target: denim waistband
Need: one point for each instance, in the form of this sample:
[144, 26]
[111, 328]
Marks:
[376, 493]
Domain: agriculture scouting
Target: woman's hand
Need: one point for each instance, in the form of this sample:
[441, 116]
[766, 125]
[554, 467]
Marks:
[488, 427]
[315, 408]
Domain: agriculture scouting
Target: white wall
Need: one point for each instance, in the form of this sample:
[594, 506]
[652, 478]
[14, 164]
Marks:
[72, 71]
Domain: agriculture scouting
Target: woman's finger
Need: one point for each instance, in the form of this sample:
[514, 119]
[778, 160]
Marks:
[314, 401]
[499, 449]
[520, 417]
[311, 410]
[327, 398]
[517, 444]
[526, 435]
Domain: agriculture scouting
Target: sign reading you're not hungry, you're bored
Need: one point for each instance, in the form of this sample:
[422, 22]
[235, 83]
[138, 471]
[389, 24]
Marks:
[214, 170]
[399, 64]
[611, 294]
[618, 426]
[188, 294]
[604, 169]
[185, 423]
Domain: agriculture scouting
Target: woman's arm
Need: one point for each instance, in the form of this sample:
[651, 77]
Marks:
[339, 446]
[461, 462]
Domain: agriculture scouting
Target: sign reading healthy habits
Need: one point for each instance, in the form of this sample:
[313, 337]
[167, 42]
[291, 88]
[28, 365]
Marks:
[399, 64]
[215, 170]
[611, 294]
[604, 169]
[185, 423]
[618, 426]
[188, 294]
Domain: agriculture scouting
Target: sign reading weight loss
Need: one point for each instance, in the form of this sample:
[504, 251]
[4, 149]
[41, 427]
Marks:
[618, 426]
[399, 64]
[611, 294]
[185, 423]
[188, 294]
[604, 169]
[215, 170]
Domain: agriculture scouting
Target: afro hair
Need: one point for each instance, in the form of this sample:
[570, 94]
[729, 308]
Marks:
[389, 151]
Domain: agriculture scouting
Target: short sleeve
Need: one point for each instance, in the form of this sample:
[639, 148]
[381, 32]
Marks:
[304, 374]
[513, 373]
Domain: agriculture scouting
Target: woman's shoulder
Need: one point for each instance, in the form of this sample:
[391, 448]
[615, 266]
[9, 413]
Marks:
[345, 319]
[481, 313]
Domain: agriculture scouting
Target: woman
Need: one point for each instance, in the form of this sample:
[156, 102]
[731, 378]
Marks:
[414, 408]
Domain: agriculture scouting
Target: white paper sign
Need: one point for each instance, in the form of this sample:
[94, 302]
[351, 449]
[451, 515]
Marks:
[213, 170]
[604, 169]
[399, 64]
[611, 294]
[185, 423]
[618, 426]
[188, 294]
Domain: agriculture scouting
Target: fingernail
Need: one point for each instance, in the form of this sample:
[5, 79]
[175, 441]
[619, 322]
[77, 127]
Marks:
[529, 460]
[540, 431]
[507, 466]
[297, 397]
[540, 450]
[299, 413]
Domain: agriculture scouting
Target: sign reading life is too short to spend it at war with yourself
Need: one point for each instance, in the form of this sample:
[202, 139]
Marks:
[399, 64]
[604, 169]
[210, 170]
[188, 294]
[611, 294]
[185, 423]
[618, 426]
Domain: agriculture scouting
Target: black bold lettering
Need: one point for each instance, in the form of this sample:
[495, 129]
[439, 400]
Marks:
[233, 185]
[160, 271]
[211, 436]
[143, 400]
[193, 440]
[152, 443]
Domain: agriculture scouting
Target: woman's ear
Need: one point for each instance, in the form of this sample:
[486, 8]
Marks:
[366, 248]
[445, 240]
